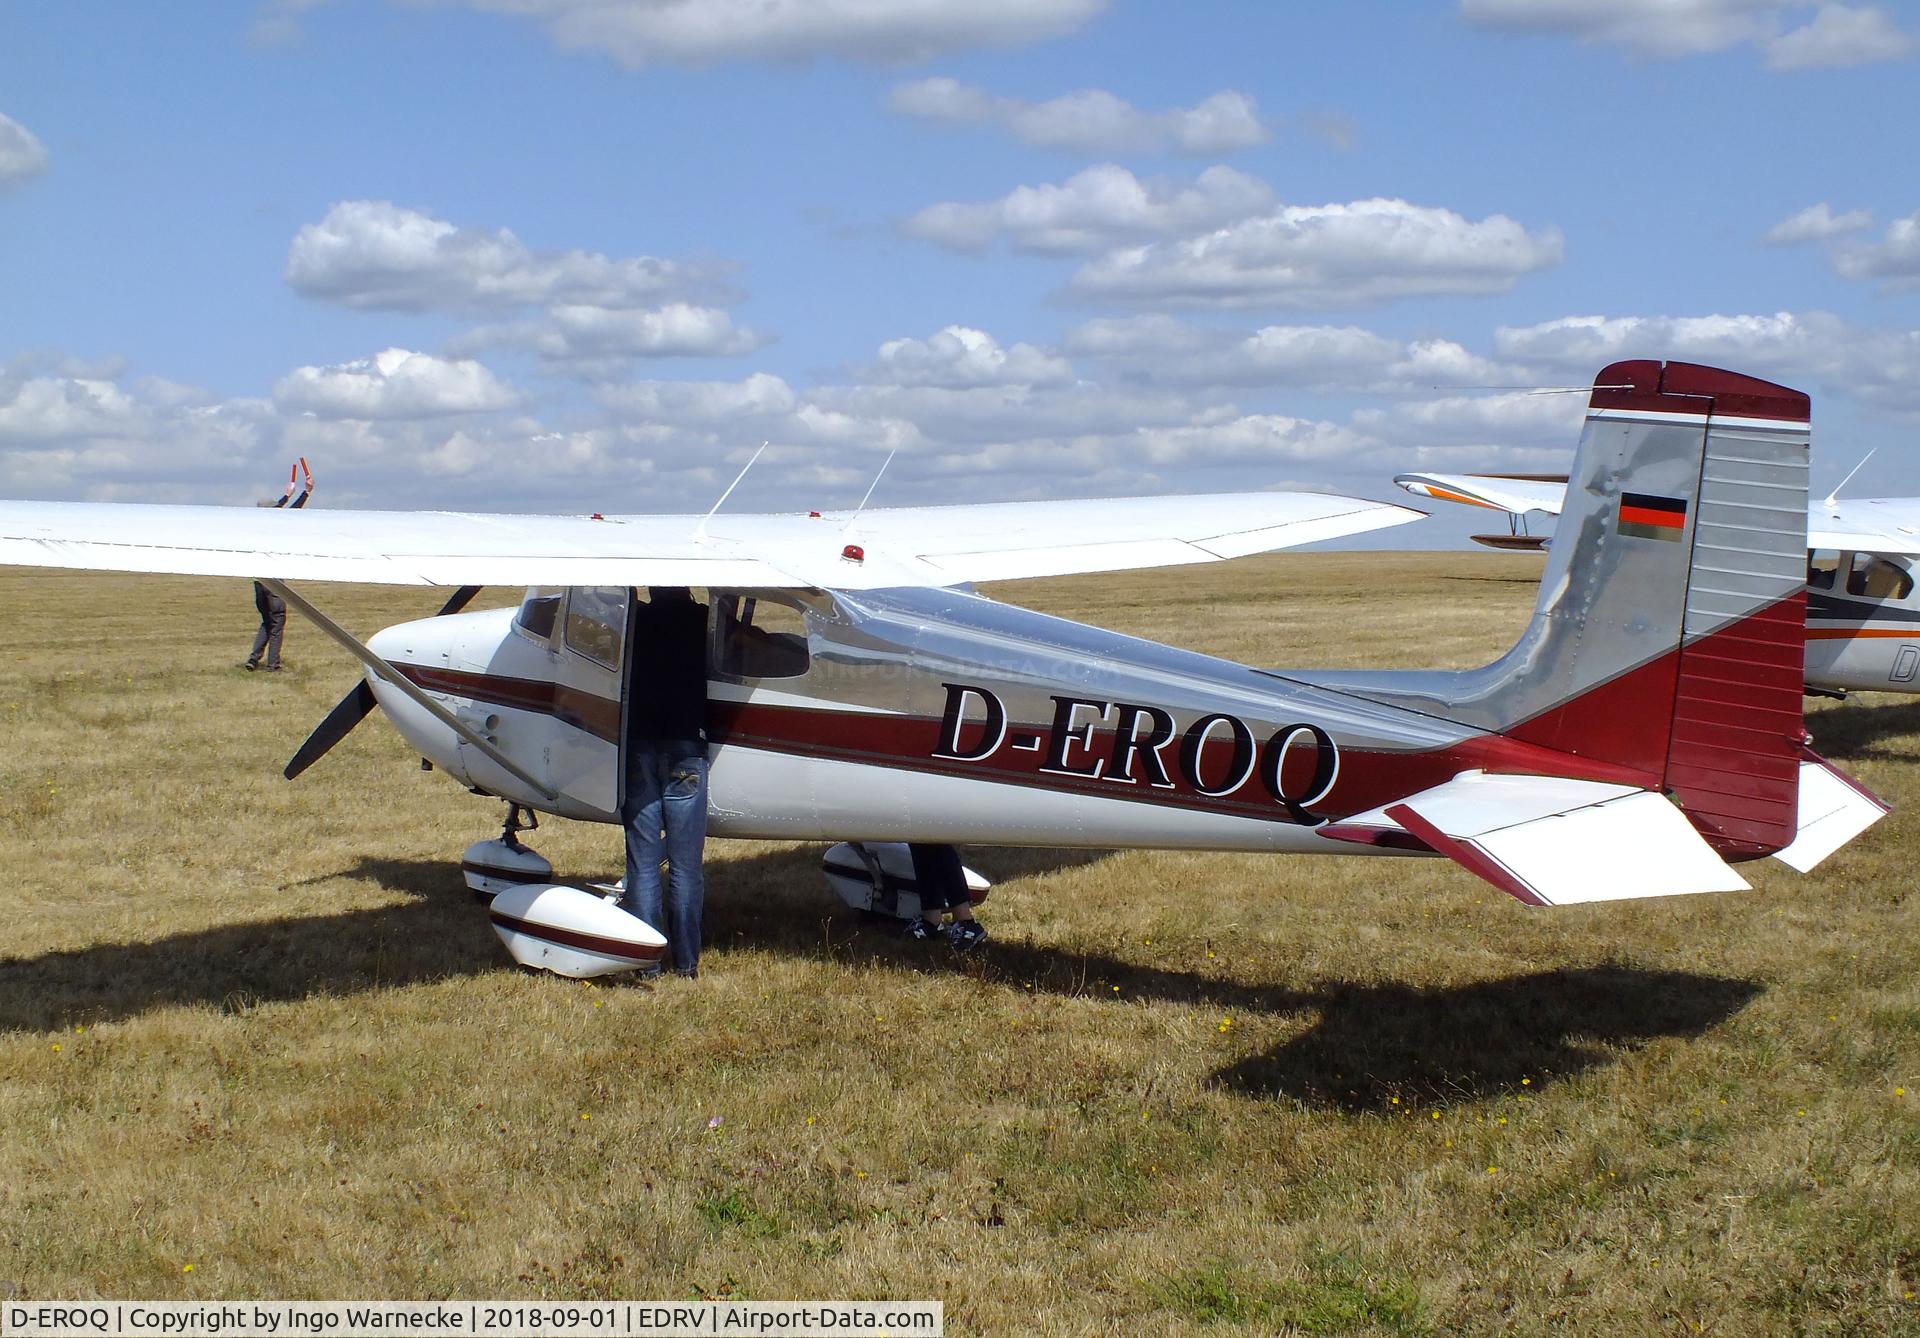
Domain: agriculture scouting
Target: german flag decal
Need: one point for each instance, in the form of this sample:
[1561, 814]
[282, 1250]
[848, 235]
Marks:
[1645, 516]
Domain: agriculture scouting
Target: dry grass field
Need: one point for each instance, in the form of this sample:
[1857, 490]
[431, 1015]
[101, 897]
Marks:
[256, 1040]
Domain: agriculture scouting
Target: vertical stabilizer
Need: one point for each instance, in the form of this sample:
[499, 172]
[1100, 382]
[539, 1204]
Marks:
[1669, 636]
[1670, 632]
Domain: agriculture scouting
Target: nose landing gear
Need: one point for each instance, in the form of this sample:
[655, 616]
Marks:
[491, 867]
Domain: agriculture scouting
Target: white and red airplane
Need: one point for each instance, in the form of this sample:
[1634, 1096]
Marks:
[1643, 736]
[1863, 610]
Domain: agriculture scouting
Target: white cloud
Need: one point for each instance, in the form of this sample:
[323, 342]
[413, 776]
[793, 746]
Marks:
[374, 254]
[592, 338]
[1894, 259]
[1158, 348]
[1660, 28]
[393, 384]
[1877, 366]
[1331, 255]
[1515, 430]
[1091, 120]
[700, 403]
[1816, 223]
[1268, 438]
[1093, 209]
[1669, 29]
[1590, 342]
[80, 429]
[709, 32]
[22, 155]
[1840, 36]
[1151, 335]
[958, 357]
[60, 408]
[675, 330]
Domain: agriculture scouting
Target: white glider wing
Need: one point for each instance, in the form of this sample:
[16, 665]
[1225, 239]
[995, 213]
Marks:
[1551, 841]
[1865, 525]
[1514, 496]
[937, 546]
[1869, 525]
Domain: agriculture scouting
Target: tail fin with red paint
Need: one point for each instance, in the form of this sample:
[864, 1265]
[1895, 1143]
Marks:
[1669, 633]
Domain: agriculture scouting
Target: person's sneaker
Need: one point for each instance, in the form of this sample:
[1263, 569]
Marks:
[926, 931]
[967, 934]
[250, 665]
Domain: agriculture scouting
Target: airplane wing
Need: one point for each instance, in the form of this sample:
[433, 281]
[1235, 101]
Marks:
[1868, 525]
[937, 546]
[1514, 496]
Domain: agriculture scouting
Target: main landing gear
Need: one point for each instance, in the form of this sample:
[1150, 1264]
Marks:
[877, 877]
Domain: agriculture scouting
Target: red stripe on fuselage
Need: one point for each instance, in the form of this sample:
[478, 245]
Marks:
[597, 715]
[1368, 778]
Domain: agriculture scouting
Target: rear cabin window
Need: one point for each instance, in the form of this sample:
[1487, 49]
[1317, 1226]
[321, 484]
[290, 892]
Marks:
[597, 622]
[1876, 578]
[759, 636]
[1822, 563]
[540, 611]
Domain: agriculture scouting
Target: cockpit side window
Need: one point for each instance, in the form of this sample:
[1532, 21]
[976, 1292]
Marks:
[1874, 577]
[760, 635]
[597, 622]
[1822, 563]
[540, 611]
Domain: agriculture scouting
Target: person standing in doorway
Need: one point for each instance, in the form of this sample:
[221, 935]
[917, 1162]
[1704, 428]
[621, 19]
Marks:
[664, 804]
[272, 608]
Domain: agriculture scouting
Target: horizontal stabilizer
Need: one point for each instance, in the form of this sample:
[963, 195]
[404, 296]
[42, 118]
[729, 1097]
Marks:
[1833, 810]
[1551, 841]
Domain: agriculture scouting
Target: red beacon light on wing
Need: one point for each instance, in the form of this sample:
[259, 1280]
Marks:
[853, 553]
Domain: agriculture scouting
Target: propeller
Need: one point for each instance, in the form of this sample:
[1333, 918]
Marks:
[358, 704]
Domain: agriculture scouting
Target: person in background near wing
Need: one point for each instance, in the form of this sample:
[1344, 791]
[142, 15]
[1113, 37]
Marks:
[943, 888]
[272, 608]
[664, 804]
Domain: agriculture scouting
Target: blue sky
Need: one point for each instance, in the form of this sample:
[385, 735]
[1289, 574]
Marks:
[582, 255]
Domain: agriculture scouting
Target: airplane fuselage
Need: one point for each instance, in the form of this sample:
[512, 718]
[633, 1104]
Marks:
[938, 715]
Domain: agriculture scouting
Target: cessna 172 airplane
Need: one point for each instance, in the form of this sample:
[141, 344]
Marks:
[1863, 612]
[1643, 735]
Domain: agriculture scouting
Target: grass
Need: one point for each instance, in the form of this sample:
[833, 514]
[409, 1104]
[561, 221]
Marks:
[259, 1029]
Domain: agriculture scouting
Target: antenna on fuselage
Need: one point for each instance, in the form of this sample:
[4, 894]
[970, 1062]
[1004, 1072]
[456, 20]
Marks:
[870, 487]
[700, 530]
[1834, 496]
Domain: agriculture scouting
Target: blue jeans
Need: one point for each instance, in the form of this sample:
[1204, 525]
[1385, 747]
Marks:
[665, 815]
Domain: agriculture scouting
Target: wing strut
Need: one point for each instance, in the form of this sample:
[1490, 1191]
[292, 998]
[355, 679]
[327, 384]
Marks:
[389, 674]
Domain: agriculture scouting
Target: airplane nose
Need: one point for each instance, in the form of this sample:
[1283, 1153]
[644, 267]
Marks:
[393, 643]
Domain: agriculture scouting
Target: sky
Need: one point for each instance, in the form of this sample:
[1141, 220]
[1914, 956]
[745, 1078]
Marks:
[587, 255]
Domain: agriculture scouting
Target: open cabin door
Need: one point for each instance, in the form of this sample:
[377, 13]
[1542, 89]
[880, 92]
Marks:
[589, 666]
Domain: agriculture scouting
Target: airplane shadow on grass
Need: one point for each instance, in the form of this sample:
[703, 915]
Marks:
[1371, 1043]
[1859, 731]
